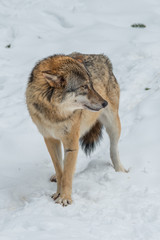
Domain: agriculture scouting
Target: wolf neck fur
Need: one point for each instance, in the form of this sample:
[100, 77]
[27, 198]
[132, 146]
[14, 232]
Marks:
[54, 113]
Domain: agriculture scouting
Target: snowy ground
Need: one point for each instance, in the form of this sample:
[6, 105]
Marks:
[107, 205]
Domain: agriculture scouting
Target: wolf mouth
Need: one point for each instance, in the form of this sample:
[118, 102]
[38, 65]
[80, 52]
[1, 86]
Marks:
[92, 109]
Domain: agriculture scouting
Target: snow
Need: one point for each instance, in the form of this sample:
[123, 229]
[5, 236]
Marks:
[106, 204]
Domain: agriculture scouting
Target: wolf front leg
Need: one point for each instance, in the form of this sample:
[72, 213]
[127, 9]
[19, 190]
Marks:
[54, 149]
[71, 146]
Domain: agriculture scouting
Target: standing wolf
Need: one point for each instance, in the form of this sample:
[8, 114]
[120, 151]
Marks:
[70, 98]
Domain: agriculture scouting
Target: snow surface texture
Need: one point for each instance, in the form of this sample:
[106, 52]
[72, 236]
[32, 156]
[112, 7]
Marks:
[106, 205]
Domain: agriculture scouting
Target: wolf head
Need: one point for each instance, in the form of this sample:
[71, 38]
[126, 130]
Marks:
[68, 85]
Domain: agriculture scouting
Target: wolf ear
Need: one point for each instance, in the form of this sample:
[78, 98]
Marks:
[52, 79]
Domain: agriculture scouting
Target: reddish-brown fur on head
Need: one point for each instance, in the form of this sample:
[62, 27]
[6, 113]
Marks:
[65, 81]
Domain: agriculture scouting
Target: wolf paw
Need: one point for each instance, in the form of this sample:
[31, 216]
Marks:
[121, 169]
[53, 178]
[55, 196]
[64, 201]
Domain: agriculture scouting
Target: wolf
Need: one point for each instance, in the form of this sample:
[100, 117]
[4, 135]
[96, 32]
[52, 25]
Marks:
[70, 98]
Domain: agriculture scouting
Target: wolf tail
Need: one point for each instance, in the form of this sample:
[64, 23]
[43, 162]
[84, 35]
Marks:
[90, 139]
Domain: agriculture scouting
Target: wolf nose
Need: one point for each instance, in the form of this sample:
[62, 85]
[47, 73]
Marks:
[104, 104]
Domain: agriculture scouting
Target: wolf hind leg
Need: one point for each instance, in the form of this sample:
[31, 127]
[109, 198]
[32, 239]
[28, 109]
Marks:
[110, 120]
